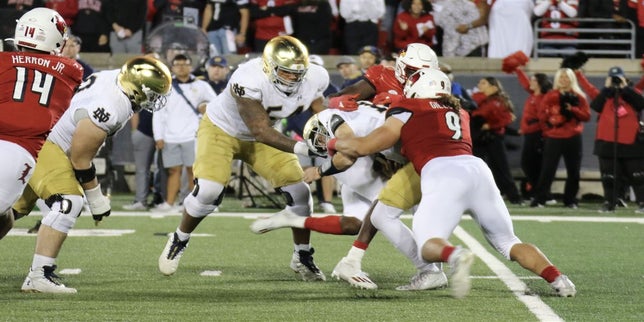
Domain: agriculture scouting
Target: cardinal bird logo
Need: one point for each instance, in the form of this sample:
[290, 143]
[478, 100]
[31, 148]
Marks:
[25, 172]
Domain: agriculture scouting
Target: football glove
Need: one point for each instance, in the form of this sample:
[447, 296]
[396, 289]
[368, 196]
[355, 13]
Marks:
[345, 102]
[383, 98]
[99, 205]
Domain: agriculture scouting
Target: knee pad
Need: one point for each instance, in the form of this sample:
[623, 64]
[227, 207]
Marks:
[204, 199]
[298, 198]
[65, 209]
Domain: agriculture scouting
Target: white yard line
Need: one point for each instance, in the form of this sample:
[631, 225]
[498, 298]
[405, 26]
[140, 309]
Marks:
[541, 310]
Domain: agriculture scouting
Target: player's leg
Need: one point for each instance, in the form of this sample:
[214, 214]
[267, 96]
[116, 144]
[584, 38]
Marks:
[15, 173]
[492, 215]
[215, 152]
[284, 172]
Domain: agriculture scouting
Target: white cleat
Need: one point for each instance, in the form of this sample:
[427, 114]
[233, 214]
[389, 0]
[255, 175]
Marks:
[564, 286]
[282, 219]
[44, 280]
[461, 261]
[302, 263]
[169, 259]
[351, 272]
[327, 207]
[426, 280]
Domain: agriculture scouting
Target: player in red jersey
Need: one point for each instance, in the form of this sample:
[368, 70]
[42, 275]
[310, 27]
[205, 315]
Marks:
[434, 133]
[36, 86]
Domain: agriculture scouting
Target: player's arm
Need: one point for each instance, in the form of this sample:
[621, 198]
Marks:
[86, 141]
[317, 105]
[347, 98]
[379, 139]
[334, 164]
[257, 120]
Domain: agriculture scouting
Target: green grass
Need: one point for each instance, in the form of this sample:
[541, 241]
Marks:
[120, 280]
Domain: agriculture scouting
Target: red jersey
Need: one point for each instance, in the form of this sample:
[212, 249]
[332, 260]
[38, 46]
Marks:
[558, 126]
[35, 90]
[271, 24]
[495, 112]
[530, 118]
[432, 130]
[383, 79]
[419, 30]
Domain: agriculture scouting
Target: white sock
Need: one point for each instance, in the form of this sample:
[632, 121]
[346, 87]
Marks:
[356, 253]
[182, 236]
[40, 261]
[299, 247]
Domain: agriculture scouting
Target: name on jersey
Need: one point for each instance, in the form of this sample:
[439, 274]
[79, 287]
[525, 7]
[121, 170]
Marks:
[436, 105]
[44, 62]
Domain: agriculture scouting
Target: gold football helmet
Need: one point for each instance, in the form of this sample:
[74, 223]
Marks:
[146, 81]
[316, 135]
[286, 61]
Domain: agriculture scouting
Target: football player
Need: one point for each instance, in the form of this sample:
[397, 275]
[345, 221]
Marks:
[65, 172]
[361, 182]
[239, 125]
[402, 191]
[36, 86]
[434, 134]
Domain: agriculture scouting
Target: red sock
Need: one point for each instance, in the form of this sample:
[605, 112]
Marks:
[550, 273]
[326, 225]
[359, 244]
[446, 252]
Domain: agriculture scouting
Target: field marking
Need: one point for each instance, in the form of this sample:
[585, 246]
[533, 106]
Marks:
[79, 232]
[255, 215]
[541, 310]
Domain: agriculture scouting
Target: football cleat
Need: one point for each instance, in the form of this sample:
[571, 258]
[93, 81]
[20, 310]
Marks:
[350, 271]
[169, 259]
[563, 286]
[328, 208]
[44, 280]
[461, 261]
[135, 206]
[281, 219]
[302, 263]
[426, 280]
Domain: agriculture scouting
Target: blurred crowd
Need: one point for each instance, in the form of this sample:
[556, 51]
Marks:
[479, 28]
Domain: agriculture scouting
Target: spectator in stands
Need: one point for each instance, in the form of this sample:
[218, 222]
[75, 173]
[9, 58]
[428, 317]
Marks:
[510, 27]
[557, 9]
[464, 24]
[272, 18]
[387, 23]
[619, 141]
[68, 9]
[369, 56]
[563, 111]
[309, 16]
[127, 20]
[175, 126]
[489, 120]
[226, 23]
[72, 49]
[349, 71]
[11, 11]
[389, 60]
[414, 25]
[606, 9]
[633, 11]
[188, 11]
[361, 27]
[92, 27]
[218, 72]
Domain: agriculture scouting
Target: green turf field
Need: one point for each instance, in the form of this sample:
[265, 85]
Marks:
[119, 280]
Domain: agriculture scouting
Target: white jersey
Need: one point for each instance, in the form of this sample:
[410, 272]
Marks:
[178, 121]
[360, 177]
[101, 100]
[250, 82]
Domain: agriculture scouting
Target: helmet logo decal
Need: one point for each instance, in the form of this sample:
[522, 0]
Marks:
[61, 26]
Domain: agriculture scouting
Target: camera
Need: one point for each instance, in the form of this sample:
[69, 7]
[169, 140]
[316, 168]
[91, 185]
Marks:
[616, 81]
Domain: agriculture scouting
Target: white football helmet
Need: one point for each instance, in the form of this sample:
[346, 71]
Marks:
[285, 54]
[41, 29]
[415, 57]
[316, 135]
[427, 83]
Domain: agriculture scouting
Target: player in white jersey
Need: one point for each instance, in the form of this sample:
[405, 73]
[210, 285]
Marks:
[362, 180]
[64, 171]
[239, 125]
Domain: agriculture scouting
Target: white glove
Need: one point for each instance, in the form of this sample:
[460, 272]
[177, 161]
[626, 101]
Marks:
[99, 205]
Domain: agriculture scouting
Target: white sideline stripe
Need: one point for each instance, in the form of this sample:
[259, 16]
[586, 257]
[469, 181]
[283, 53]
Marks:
[79, 232]
[255, 215]
[541, 310]
[70, 271]
[497, 277]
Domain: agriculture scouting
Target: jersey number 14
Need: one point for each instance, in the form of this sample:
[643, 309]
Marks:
[42, 85]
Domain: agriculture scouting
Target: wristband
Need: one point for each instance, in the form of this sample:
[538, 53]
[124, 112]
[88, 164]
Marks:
[328, 169]
[85, 175]
[301, 148]
[94, 193]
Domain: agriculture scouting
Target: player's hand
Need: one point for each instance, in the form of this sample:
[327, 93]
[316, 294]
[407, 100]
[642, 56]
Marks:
[99, 205]
[345, 102]
[311, 174]
[330, 147]
[383, 98]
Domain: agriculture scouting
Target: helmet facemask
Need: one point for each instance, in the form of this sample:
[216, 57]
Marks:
[316, 135]
[153, 101]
